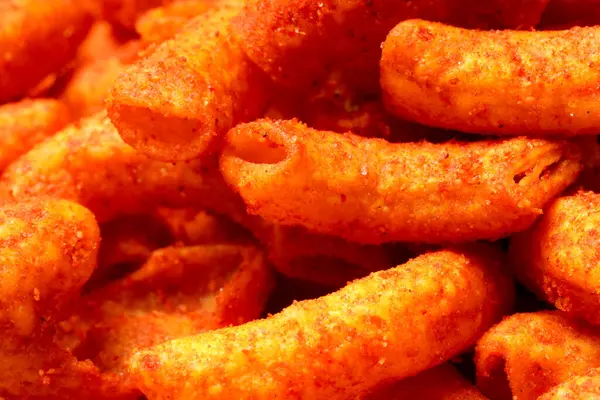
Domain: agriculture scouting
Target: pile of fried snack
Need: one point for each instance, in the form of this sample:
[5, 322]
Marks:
[299, 199]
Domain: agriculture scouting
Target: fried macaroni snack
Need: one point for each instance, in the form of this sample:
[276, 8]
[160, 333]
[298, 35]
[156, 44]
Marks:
[298, 42]
[371, 191]
[178, 101]
[339, 345]
[525, 355]
[49, 250]
[495, 82]
[91, 165]
[585, 386]
[180, 291]
[558, 257]
[439, 383]
[26, 123]
[37, 38]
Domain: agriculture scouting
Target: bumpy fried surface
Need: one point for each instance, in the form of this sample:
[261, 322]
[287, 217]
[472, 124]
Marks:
[37, 38]
[49, 250]
[339, 345]
[558, 257]
[91, 165]
[298, 42]
[26, 123]
[178, 292]
[371, 191]
[527, 354]
[568, 13]
[178, 101]
[162, 23]
[581, 387]
[496, 82]
[440, 383]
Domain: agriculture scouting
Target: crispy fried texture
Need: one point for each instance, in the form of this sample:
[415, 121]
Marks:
[495, 82]
[49, 250]
[87, 89]
[371, 191]
[180, 291]
[440, 383]
[91, 165]
[26, 123]
[299, 42]
[558, 257]
[337, 346]
[581, 387]
[162, 23]
[178, 101]
[527, 354]
[37, 38]
[568, 13]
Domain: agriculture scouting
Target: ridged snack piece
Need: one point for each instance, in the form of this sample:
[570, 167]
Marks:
[558, 257]
[373, 191]
[586, 386]
[340, 345]
[493, 82]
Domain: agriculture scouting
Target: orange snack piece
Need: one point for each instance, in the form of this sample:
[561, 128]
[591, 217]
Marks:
[439, 383]
[162, 23]
[91, 165]
[124, 13]
[49, 250]
[37, 38]
[299, 42]
[581, 387]
[527, 354]
[180, 291]
[558, 257]
[371, 191]
[26, 123]
[339, 345]
[494, 82]
[178, 101]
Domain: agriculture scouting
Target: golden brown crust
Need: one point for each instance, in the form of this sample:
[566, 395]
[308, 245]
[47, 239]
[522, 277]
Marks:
[371, 191]
[495, 82]
[527, 354]
[341, 344]
[558, 257]
[177, 102]
[37, 38]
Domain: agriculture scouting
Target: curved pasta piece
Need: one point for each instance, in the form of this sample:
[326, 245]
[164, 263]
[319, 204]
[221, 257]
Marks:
[339, 345]
[494, 82]
[178, 101]
[525, 355]
[37, 38]
[26, 123]
[91, 165]
[585, 386]
[372, 191]
[557, 258]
